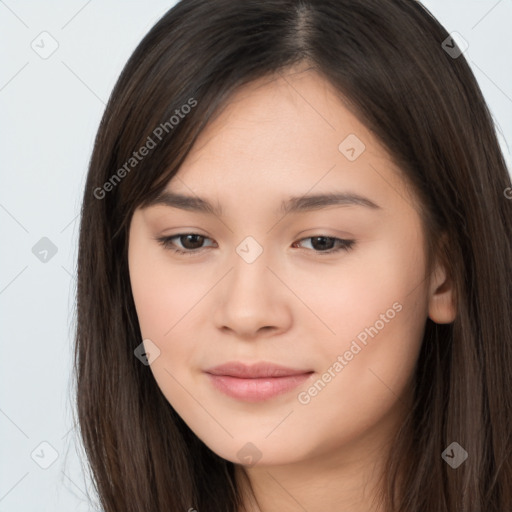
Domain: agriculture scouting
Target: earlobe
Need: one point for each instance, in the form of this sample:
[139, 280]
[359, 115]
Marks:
[441, 304]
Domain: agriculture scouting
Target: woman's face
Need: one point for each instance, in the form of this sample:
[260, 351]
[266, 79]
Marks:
[332, 288]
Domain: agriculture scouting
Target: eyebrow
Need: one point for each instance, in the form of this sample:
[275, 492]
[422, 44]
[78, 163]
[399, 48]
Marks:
[295, 204]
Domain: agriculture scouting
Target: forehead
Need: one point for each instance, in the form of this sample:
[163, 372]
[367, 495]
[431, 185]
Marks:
[284, 136]
[288, 112]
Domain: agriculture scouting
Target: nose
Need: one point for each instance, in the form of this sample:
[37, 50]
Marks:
[251, 301]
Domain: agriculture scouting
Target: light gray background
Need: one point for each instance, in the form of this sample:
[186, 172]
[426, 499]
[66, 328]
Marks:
[50, 111]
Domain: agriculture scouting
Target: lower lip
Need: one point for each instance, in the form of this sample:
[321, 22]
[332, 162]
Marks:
[256, 390]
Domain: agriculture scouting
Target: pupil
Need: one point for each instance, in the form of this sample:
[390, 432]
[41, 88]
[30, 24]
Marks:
[193, 237]
[322, 244]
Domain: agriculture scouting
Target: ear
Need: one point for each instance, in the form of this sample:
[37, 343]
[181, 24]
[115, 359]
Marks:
[441, 303]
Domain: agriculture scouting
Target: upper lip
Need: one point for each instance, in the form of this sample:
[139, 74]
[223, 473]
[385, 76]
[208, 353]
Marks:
[254, 371]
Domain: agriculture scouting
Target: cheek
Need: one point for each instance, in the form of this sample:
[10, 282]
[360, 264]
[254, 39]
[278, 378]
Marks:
[377, 306]
[163, 292]
[367, 373]
[168, 301]
[373, 289]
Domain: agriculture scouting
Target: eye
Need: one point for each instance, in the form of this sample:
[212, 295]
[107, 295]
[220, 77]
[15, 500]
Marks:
[191, 243]
[327, 244]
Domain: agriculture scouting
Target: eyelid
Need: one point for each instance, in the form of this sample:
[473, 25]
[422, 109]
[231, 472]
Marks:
[343, 244]
[166, 242]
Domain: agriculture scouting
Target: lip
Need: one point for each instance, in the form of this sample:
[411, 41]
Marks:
[255, 382]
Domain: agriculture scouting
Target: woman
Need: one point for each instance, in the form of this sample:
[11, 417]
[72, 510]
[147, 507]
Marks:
[295, 268]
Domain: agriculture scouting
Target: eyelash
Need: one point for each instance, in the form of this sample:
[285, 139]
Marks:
[166, 242]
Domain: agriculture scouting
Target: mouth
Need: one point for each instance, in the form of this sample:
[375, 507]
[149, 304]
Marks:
[256, 382]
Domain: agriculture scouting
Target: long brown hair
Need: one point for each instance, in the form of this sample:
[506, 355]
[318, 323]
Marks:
[386, 58]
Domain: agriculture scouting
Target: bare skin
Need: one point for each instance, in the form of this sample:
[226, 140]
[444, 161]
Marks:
[322, 445]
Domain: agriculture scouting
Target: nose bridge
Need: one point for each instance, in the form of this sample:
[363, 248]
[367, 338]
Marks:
[249, 250]
[249, 297]
[250, 272]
